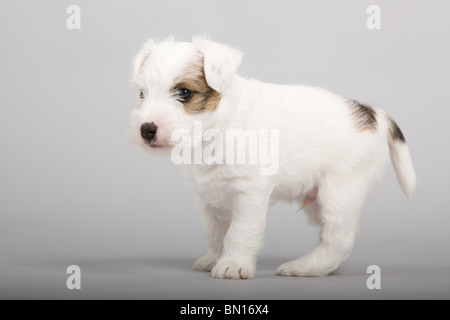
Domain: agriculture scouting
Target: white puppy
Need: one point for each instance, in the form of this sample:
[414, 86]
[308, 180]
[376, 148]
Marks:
[330, 152]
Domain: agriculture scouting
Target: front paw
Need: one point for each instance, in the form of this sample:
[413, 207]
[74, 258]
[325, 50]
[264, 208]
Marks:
[307, 267]
[233, 269]
[206, 263]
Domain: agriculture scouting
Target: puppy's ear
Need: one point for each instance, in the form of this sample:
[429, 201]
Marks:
[142, 55]
[220, 62]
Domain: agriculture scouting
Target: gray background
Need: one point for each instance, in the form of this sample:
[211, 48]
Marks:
[74, 190]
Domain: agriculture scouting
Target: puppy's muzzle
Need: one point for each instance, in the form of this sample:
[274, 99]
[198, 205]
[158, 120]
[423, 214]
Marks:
[148, 131]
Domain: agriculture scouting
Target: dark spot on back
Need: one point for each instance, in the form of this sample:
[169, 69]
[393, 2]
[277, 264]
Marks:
[364, 115]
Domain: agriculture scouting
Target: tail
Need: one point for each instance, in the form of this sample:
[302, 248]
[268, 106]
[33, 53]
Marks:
[401, 159]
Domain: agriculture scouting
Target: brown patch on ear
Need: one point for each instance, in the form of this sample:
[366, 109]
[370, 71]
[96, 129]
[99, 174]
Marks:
[204, 97]
[394, 130]
[365, 116]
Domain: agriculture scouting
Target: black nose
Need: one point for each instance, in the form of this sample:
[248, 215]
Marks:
[148, 131]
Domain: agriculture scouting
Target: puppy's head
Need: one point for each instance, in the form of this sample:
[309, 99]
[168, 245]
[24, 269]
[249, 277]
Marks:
[177, 83]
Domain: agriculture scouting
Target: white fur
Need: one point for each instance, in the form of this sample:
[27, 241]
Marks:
[320, 147]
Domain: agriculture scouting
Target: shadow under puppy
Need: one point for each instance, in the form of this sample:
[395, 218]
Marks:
[329, 152]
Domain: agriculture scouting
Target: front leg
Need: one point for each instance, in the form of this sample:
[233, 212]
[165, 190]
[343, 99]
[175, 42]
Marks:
[217, 223]
[244, 237]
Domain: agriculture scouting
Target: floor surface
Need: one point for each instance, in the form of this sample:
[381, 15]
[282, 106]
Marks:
[173, 278]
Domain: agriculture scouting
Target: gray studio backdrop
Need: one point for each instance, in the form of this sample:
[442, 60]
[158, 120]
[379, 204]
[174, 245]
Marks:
[75, 191]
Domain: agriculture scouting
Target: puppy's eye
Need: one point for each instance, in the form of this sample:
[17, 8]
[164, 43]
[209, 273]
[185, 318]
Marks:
[183, 95]
[141, 95]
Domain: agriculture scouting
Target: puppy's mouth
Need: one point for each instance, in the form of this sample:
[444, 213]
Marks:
[159, 146]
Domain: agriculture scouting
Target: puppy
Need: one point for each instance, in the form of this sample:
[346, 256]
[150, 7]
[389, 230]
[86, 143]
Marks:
[329, 152]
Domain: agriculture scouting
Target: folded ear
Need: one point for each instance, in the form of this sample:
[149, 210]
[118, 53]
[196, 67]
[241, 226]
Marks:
[220, 62]
[142, 55]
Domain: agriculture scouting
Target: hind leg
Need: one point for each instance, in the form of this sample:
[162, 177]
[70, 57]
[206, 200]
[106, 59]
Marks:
[337, 212]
